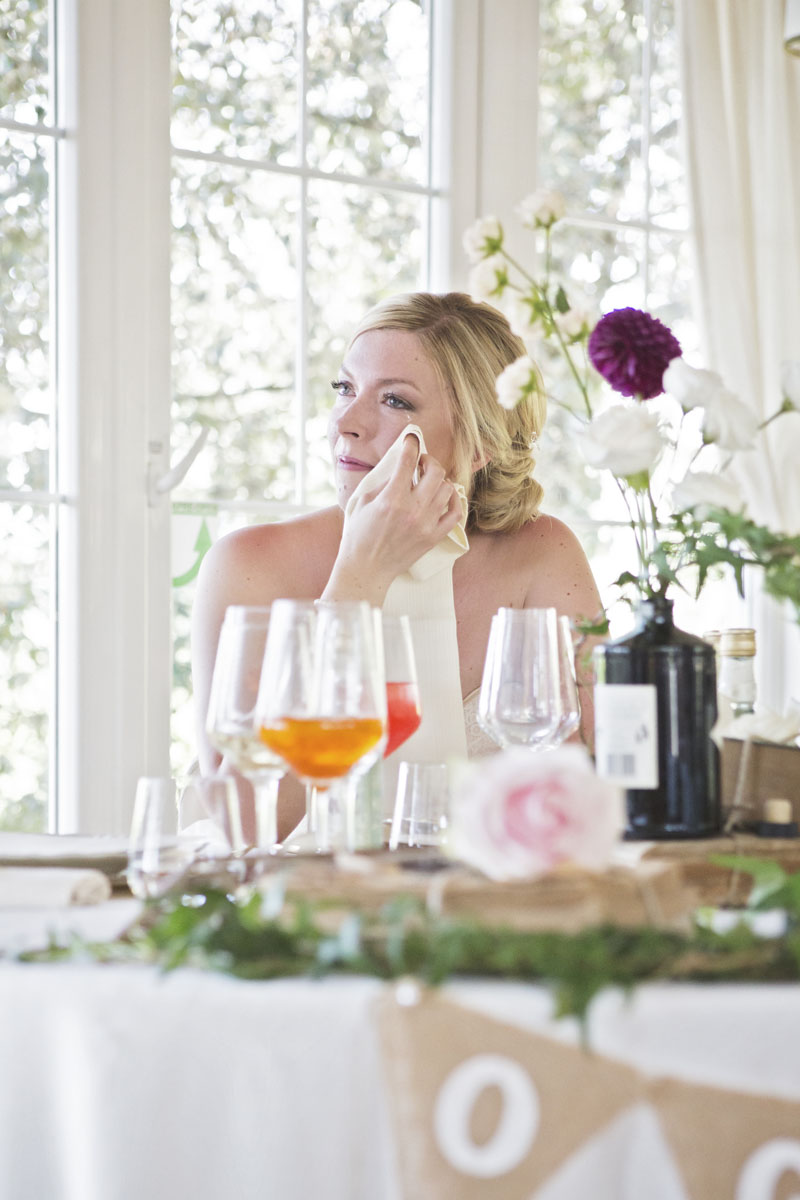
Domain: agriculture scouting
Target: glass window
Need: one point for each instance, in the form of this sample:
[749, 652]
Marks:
[302, 193]
[27, 469]
[609, 141]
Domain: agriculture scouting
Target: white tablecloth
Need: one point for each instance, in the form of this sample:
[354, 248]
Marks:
[118, 1083]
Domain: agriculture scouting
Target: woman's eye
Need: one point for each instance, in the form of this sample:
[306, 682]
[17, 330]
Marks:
[340, 386]
[396, 401]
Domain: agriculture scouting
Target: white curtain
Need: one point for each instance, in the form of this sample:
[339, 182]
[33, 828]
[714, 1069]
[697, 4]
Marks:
[742, 131]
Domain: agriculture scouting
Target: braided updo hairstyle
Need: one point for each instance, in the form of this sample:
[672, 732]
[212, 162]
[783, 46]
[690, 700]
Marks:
[469, 343]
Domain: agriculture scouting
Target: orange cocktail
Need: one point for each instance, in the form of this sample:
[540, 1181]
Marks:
[322, 748]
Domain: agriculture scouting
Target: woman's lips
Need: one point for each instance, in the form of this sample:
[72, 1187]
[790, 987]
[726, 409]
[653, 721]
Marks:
[353, 464]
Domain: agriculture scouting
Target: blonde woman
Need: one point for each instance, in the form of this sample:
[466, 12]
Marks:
[431, 361]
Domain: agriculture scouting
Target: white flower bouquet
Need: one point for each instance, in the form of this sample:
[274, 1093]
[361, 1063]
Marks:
[670, 455]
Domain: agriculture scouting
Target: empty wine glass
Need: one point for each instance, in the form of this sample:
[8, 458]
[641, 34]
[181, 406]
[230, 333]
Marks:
[322, 702]
[157, 858]
[422, 805]
[570, 703]
[402, 690]
[209, 806]
[520, 699]
[210, 813]
[231, 719]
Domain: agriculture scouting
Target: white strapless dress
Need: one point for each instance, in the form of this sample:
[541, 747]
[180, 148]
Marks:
[479, 744]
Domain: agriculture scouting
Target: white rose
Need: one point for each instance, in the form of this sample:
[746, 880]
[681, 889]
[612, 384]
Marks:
[690, 386]
[703, 490]
[483, 237]
[790, 382]
[518, 815]
[728, 422]
[489, 278]
[520, 316]
[625, 439]
[516, 381]
[574, 323]
[541, 209]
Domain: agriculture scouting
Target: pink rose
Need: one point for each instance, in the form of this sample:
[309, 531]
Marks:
[519, 814]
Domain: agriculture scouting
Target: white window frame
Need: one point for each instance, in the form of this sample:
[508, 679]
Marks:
[113, 345]
[113, 352]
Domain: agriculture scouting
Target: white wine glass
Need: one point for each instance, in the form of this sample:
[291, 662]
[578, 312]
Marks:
[231, 724]
[520, 697]
[322, 703]
[570, 702]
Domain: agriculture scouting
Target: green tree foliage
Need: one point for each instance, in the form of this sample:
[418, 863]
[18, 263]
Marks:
[280, 246]
[25, 424]
[611, 148]
[259, 248]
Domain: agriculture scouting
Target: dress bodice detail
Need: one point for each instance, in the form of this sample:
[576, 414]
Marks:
[479, 744]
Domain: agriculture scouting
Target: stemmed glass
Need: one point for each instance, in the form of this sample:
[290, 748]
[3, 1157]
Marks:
[402, 690]
[520, 697]
[322, 701]
[570, 703]
[157, 858]
[231, 723]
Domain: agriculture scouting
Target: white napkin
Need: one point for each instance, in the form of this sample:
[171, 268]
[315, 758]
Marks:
[766, 725]
[63, 850]
[425, 594]
[51, 887]
[451, 547]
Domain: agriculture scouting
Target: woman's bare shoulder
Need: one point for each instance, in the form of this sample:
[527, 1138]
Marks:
[549, 534]
[259, 562]
[557, 567]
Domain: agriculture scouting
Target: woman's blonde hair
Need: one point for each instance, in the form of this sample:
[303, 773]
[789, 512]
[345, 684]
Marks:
[469, 344]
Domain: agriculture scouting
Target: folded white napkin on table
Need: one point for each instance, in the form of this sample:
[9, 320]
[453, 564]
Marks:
[425, 594]
[766, 725]
[51, 887]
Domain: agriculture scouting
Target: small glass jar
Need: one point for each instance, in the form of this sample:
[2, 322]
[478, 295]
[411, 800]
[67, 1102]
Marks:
[737, 680]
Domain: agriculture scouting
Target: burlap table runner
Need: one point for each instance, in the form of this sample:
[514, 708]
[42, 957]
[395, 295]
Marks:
[483, 1108]
[713, 883]
[566, 899]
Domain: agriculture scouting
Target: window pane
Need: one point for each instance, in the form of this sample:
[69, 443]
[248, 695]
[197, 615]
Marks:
[251, 319]
[612, 550]
[362, 245]
[669, 294]
[236, 72]
[368, 88]
[24, 61]
[25, 655]
[590, 119]
[600, 269]
[24, 292]
[234, 288]
[194, 528]
[668, 200]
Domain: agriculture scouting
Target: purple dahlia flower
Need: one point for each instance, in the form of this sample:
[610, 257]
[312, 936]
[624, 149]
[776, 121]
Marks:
[632, 350]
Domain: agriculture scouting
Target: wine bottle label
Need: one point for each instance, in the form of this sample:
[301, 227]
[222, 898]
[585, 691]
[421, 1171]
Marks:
[626, 734]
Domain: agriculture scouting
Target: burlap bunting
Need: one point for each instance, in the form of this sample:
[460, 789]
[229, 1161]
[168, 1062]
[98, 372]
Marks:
[482, 1108]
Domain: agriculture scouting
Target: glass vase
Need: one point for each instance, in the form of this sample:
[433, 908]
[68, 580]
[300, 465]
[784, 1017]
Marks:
[655, 707]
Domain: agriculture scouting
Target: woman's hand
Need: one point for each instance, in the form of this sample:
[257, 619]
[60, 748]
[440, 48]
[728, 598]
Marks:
[390, 523]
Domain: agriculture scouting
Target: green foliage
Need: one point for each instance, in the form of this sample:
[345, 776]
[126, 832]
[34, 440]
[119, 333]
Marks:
[237, 227]
[212, 930]
[720, 538]
[773, 887]
[235, 257]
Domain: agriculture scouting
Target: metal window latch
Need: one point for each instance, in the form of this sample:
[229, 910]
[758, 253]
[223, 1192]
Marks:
[159, 485]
